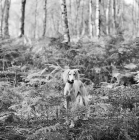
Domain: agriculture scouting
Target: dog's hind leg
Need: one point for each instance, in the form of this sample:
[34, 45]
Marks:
[87, 108]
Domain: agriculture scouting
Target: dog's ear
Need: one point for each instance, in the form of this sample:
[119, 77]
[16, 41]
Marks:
[77, 74]
[65, 75]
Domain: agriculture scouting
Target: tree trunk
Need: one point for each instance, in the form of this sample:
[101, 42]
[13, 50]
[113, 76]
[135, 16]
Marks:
[121, 14]
[65, 22]
[119, 23]
[90, 20]
[35, 31]
[97, 19]
[107, 18]
[45, 18]
[22, 20]
[137, 19]
[70, 8]
[6, 19]
[71, 28]
[1, 19]
[77, 19]
[83, 22]
[113, 15]
[133, 31]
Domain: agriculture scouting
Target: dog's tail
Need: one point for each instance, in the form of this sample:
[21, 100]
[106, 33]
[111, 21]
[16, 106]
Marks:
[85, 95]
[82, 100]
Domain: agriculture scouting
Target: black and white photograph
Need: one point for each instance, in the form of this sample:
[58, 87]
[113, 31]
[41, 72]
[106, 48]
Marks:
[69, 69]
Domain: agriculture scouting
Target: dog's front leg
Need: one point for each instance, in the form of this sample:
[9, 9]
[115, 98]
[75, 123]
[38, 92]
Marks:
[67, 100]
[66, 92]
[67, 112]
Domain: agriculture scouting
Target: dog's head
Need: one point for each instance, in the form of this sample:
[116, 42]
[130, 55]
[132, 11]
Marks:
[73, 75]
[70, 75]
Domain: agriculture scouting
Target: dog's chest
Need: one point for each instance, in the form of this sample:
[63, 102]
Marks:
[72, 92]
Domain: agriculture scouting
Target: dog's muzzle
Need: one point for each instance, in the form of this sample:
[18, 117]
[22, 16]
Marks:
[68, 98]
[71, 82]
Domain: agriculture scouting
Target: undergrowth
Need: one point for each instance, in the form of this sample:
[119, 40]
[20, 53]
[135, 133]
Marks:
[31, 91]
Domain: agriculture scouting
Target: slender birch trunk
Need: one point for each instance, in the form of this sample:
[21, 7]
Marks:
[121, 13]
[70, 7]
[83, 22]
[113, 17]
[35, 26]
[97, 19]
[137, 18]
[70, 16]
[65, 21]
[77, 19]
[107, 18]
[1, 19]
[133, 32]
[6, 19]
[22, 20]
[45, 18]
[90, 20]
[114, 14]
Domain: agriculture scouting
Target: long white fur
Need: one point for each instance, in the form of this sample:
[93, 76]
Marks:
[74, 89]
[65, 75]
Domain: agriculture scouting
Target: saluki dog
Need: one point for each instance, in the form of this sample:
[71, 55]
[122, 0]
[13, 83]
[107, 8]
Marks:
[75, 93]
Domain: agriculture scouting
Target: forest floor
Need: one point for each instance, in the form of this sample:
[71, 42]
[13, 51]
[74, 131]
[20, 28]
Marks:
[23, 131]
[55, 129]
